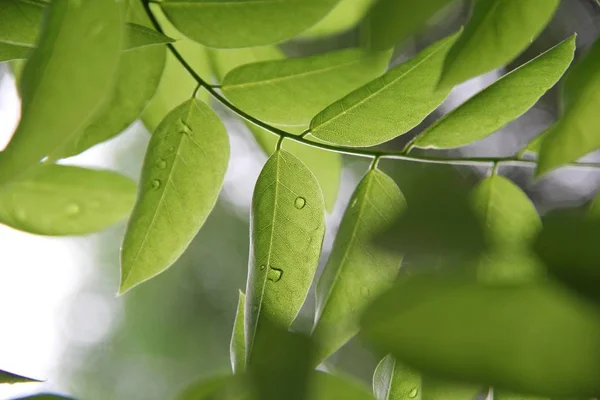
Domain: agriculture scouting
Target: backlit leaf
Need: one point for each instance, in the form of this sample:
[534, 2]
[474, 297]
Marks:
[237, 349]
[287, 229]
[10, 378]
[20, 23]
[387, 106]
[498, 31]
[182, 175]
[66, 200]
[344, 16]
[294, 90]
[234, 24]
[394, 381]
[67, 79]
[140, 36]
[489, 110]
[356, 271]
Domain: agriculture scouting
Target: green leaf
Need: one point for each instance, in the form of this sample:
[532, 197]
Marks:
[356, 271]
[67, 79]
[217, 388]
[20, 23]
[141, 36]
[182, 175]
[343, 17]
[325, 386]
[287, 229]
[441, 389]
[576, 132]
[294, 90]
[61, 200]
[233, 24]
[387, 106]
[10, 378]
[498, 31]
[391, 21]
[489, 110]
[534, 338]
[223, 61]
[393, 381]
[237, 347]
[504, 395]
[45, 396]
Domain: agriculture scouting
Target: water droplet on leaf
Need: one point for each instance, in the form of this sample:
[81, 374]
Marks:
[299, 203]
[162, 164]
[155, 184]
[171, 148]
[413, 393]
[72, 209]
[274, 274]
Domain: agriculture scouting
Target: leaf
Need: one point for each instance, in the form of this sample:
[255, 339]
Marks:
[19, 28]
[441, 389]
[182, 176]
[387, 106]
[233, 24]
[393, 381]
[498, 31]
[287, 229]
[294, 90]
[67, 79]
[237, 349]
[232, 387]
[575, 134]
[343, 17]
[532, 338]
[10, 378]
[356, 271]
[489, 110]
[45, 396]
[325, 386]
[504, 395]
[391, 21]
[141, 36]
[223, 61]
[61, 200]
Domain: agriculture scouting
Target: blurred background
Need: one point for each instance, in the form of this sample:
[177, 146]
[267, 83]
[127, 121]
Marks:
[61, 319]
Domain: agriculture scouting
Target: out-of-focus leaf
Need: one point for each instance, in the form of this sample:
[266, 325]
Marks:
[10, 378]
[64, 200]
[576, 133]
[294, 90]
[489, 110]
[67, 79]
[140, 36]
[325, 386]
[356, 271]
[237, 347]
[504, 395]
[218, 388]
[387, 106]
[498, 31]
[391, 21]
[20, 23]
[287, 229]
[533, 338]
[441, 389]
[45, 396]
[393, 381]
[223, 24]
[182, 175]
[344, 16]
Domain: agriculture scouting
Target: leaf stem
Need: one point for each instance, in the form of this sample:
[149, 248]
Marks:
[489, 162]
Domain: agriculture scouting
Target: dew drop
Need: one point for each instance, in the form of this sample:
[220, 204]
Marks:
[413, 393]
[274, 274]
[299, 203]
[262, 267]
[162, 164]
[171, 148]
[155, 184]
[72, 209]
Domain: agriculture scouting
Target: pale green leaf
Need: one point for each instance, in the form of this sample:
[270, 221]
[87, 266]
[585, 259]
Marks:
[391, 21]
[10, 378]
[67, 79]
[498, 31]
[63, 200]
[394, 381]
[530, 338]
[489, 110]
[387, 106]
[287, 229]
[225, 60]
[344, 16]
[141, 36]
[576, 133]
[357, 271]
[182, 175]
[294, 90]
[217, 388]
[237, 349]
[234, 24]
[20, 23]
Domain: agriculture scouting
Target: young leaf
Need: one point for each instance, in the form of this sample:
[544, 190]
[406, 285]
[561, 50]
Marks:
[393, 381]
[294, 90]
[491, 334]
[489, 110]
[287, 229]
[391, 21]
[387, 106]
[10, 378]
[141, 36]
[237, 349]
[576, 132]
[233, 24]
[498, 31]
[183, 172]
[63, 200]
[67, 79]
[343, 17]
[20, 23]
[356, 271]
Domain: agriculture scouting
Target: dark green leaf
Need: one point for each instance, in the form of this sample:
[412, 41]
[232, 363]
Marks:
[237, 347]
[393, 381]
[20, 23]
[504, 395]
[495, 35]
[440, 389]
[65, 200]
[183, 172]
[331, 387]
[10, 378]
[141, 36]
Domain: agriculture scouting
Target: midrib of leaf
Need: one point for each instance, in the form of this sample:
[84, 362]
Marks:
[160, 201]
[383, 89]
[10, 42]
